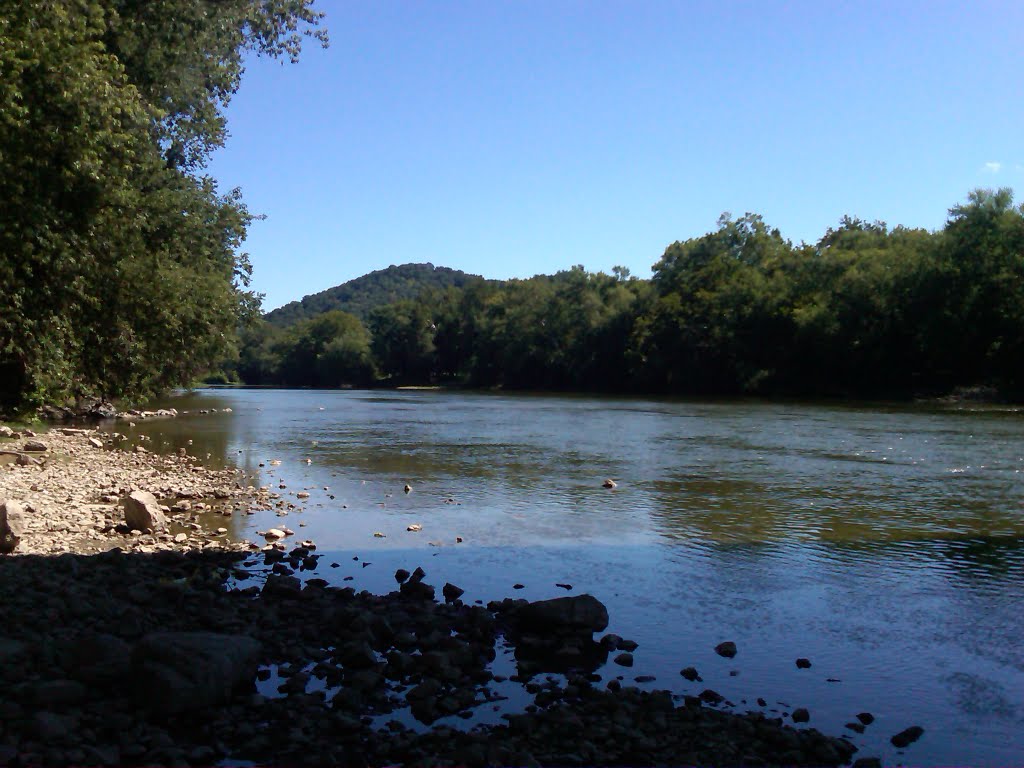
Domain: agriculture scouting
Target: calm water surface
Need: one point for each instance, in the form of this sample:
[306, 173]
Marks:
[884, 544]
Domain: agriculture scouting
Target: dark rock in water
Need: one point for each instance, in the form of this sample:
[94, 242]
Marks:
[564, 586]
[726, 649]
[518, 586]
[451, 592]
[624, 659]
[690, 673]
[401, 575]
[907, 736]
[856, 727]
[866, 717]
[761, 702]
[578, 614]
[177, 672]
[611, 641]
[418, 575]
[282, 586]
[867, 762]
[416, 589]
[803, 663]
[12, 525]
[628, 645]
[644, 678]
[709, 696]
[801, 715]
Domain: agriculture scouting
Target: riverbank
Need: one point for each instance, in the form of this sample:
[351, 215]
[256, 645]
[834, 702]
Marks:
[144, 648]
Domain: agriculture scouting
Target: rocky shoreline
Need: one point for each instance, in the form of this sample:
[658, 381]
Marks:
[181, 646]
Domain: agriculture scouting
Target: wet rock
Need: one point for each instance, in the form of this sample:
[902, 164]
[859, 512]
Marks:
[867, 762]
[690, 673]
[142, 512]
[726, 649]
[801, 715]
[856, 727]
[624, 659]
[282, 586]
[907, 736]
[803, 663]
[12, 525]
[866, 717]
[609, 483]
[416, 589]
[177, 672]
[408, 488]
[578, 614]
[451, 592]
[709, 696]
[401, 575]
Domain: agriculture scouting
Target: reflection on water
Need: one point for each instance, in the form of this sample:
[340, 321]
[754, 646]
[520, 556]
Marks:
[886, 544]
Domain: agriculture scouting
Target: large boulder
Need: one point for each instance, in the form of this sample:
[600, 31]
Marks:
[97, 659]
[142, 512]
[12, 525]
[563, 615]
[6, 431]
[175, 672]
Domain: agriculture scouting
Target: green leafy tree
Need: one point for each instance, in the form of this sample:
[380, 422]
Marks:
[120, 272]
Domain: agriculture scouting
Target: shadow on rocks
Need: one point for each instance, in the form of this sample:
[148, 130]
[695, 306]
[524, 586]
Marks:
[153, 659]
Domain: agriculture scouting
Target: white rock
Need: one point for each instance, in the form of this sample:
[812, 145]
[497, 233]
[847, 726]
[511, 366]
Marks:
[141, 511]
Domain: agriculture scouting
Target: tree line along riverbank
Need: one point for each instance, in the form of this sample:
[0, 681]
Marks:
[868, 311]
[147, 646]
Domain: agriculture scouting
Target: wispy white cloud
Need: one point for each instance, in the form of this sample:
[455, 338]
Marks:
[993, 167]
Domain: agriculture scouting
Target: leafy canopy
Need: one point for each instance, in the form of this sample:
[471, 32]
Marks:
[120, 270]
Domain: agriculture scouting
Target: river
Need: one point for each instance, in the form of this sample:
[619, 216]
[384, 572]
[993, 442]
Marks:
[883, 543]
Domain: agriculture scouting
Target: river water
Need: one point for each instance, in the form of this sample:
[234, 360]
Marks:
[883, 543]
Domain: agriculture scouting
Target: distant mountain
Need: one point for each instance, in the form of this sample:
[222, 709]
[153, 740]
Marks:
[363, 294]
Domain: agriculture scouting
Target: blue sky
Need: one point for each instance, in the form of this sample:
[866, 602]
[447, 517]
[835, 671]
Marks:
[514, 138]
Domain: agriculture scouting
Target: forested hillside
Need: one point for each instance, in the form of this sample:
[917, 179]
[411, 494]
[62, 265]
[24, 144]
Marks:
[120, 269]
[363, 294]
[867, 311]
